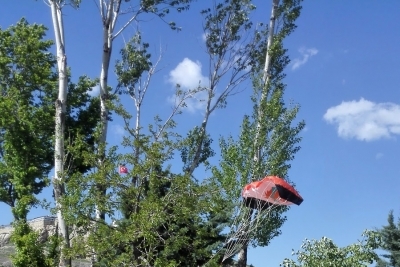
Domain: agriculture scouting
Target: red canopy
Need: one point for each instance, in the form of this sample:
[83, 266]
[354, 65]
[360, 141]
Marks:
[271, 190]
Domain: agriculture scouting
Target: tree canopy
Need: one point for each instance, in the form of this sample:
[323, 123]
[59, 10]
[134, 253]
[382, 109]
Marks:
[154, 214]
[325, 252]
[390, 234]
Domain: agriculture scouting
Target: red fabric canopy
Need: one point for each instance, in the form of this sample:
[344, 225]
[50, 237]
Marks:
[272, 190]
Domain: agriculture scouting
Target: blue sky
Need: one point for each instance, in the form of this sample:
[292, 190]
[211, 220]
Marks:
[345, 74]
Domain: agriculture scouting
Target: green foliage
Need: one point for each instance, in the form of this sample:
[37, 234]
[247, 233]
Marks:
[52, 249]
[224, 24]
[29, 251]
[287, 12]
[162, 8]
[156, 213]
[270, 133]
[269, 138]
[188, 152]
[227, 26]
[324, 253]
[134, 62]
[382, 263]
[81, 122]
[27, 79]
[26, 135]
[159, 217]
[391, 242]
[278, 140]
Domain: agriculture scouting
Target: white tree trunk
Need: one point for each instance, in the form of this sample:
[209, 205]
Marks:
[61, 102]
[266, 75]
[109, 13]
[271, 33]
[242, 255]
[107, 47]
[105, 64]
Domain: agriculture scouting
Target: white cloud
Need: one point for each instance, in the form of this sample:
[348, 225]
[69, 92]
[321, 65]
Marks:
[365, 120]
[379, 155]
[306, 54]
[94, 91]
[188, 75]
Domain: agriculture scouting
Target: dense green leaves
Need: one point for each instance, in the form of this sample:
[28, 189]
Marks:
[324, 253]
[155, 215]
[26, 131]
[29, 251]
[225, 24]
[188, 152]
[134, 62]
[269, 137]
[390, 234]
[270, 133]
[26, 144]
[28, 79]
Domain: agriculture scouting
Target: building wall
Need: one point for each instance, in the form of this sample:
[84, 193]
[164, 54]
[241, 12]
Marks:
[36, 223]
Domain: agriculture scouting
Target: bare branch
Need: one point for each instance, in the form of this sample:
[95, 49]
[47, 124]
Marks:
[179, 102]
[127, 24]
[149, 76]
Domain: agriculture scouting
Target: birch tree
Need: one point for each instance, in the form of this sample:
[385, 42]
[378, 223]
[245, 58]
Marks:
[60, 104]
[231, 44]
[229, 57]
[110, 11]
[275, 61]
[28, 77]
[268, 140]
[155, 214]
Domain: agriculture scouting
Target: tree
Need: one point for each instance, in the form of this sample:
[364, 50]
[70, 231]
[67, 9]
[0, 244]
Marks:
[148, 191]
[229, 55]
[382, 263]
[26, 146]
[30, 252]
[231, 44]
[110, 11]
[25, 138]
[151, 189]
[268, 140]
[61, 118]
[324, 252]
[26, 131]
[61, 106]
[162, 211]
[391, 242]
